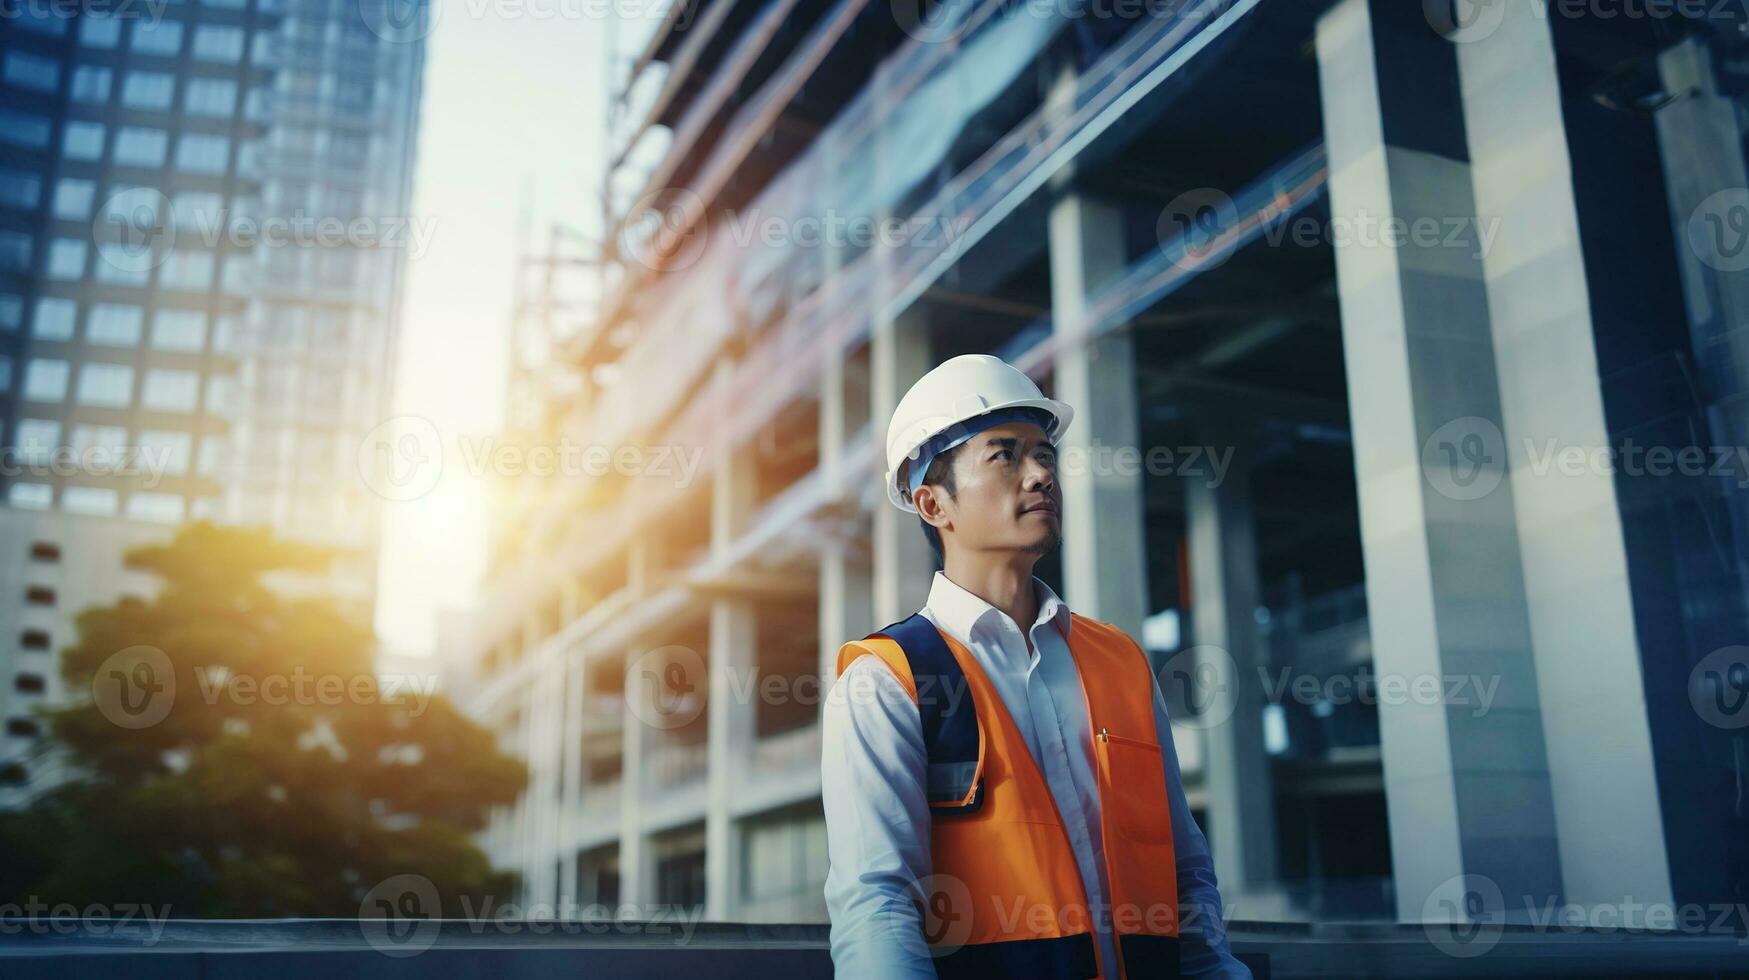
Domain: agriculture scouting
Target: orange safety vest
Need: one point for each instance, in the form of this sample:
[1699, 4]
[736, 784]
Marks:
[1005, 897]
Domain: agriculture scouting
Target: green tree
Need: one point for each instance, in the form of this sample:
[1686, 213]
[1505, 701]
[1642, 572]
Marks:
[211, 781]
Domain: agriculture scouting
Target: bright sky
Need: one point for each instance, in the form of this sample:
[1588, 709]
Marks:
[513, 109]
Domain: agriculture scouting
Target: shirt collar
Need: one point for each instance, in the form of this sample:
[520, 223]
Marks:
[963, 614]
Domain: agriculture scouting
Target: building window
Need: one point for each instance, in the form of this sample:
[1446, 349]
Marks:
[99, 30]
[221, 44]
[212, 449]
[39, 20]
[91, 84]
[83, 141]
[73, 198]
[221, 393]
[54, 318]
[114, 325]
[66, 259]
[32, 72]
[187, 270]
[139, 146]
[37, 439]
[22, 728]
[158, 37]
[107, 385]
[28, 683]
[99, 440]
[35, 639]
[45, 551]
[165, 508]
[124, 263]
[198, 211]
[169, 449]
[31, 496]
[148, 90]
[14, 251]
[99, 501]
[20, 189]
[39, 595]
[24, 129]
[11, 311]
[183, 330]
[45, 381]
[216, 97]
[202, 154]
[171, 390]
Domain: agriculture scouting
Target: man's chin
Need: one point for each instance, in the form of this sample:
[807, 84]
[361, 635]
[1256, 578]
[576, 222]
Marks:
[1045, 543]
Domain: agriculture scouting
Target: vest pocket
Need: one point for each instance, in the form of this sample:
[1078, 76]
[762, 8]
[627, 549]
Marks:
[1134, 793]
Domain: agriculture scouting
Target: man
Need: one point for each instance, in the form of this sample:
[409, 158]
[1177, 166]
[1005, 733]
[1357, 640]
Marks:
[1004, 802]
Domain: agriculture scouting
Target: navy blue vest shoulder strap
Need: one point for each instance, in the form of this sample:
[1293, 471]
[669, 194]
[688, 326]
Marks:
[950, 719]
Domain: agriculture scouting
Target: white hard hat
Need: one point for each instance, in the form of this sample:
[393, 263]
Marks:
[958, 390]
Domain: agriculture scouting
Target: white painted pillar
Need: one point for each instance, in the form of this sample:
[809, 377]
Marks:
[1468, 794]
[1588, 679]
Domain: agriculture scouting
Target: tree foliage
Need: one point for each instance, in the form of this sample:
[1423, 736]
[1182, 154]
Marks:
[284, 779]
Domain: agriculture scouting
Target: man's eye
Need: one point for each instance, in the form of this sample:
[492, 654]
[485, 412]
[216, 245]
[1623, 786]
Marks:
[1003, 454]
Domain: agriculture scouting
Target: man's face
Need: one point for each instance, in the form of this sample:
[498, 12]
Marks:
[1006, 493]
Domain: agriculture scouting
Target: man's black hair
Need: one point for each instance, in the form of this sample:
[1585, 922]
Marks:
[940, 473]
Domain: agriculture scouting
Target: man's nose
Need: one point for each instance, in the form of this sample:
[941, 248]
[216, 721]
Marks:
[1039, 476]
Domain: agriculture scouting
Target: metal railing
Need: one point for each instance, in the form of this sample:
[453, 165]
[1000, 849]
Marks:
[682, 946]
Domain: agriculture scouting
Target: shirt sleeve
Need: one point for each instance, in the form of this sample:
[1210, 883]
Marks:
[1203, 938]
[877, 825]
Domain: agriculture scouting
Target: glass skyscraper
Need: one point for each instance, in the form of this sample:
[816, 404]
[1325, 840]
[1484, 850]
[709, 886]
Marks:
[203, 218]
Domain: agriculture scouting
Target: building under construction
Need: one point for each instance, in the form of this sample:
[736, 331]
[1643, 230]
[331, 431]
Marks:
[1367, 309]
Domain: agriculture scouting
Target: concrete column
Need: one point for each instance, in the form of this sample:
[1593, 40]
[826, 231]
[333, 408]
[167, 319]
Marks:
[571, 783]
[637, 862]
[1702, 147]
[1589, 685]
[1468, 792]
[732, 720]
[545, 750]
[899, 354]
[1225, 593]
[1105, 569]
[732, 716]
[846, 586]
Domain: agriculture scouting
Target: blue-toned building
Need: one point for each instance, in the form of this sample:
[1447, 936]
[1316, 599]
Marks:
[1408, 346]
[177, 340]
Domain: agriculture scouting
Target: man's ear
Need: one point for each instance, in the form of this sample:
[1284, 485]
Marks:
[930, 503]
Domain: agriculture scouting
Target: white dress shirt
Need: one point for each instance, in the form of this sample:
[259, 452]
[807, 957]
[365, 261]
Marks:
[877, 815]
